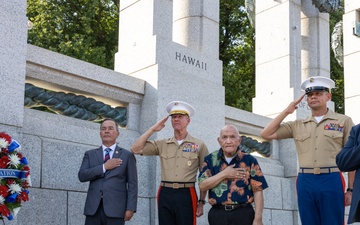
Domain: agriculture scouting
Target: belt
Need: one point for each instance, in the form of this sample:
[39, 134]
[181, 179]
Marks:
[174, 185]
[232, 207]
[319, 170]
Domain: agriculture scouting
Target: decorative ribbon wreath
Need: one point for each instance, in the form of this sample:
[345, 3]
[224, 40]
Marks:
[14, 177]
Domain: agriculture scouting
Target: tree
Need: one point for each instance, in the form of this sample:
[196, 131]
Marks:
[237, 51]
[83, 29]
[88, 30]
[336, 71]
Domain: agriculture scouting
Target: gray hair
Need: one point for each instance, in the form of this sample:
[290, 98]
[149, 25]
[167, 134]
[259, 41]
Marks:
[109, 119]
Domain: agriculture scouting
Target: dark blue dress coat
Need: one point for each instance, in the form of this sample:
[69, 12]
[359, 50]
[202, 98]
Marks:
[348, 159]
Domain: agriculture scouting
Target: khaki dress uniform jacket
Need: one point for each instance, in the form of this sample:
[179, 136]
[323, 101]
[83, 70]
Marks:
[321, 188]
[179, 163]
[318, 144]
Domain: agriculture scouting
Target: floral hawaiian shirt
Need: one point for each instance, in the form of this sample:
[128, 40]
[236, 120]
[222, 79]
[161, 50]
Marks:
[233, 191]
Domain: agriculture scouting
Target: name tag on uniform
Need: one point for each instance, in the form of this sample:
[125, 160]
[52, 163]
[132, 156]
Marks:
[190, 147]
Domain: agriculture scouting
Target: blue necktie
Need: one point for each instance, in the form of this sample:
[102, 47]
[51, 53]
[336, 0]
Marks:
[107, 154]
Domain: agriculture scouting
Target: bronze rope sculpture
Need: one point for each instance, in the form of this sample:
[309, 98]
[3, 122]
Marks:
[72, 105]
[250, 145]
[326, 6]
[81, 107]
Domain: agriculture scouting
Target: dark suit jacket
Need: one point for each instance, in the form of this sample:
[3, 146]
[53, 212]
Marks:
[117, 187]
[348, 159]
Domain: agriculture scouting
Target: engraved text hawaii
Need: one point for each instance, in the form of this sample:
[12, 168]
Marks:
[189, 60]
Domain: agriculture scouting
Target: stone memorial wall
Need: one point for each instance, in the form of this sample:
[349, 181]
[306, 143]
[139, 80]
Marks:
[170, 54]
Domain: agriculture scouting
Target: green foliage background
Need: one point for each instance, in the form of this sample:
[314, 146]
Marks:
[336, 71]
[83, 29]
[237, 51]
[88, 30]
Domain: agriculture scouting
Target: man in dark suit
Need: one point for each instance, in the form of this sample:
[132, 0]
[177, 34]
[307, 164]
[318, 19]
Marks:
[348, 159]
[113, 188]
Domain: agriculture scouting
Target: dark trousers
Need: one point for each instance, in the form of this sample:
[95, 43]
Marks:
[99, 218]
[321, 198]
[177, 206]
[241, 216]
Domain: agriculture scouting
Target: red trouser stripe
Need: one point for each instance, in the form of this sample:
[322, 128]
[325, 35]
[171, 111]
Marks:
[158, 195]
[194, 203]
[343, 185]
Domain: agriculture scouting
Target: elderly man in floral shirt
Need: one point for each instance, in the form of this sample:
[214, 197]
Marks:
[234, 180]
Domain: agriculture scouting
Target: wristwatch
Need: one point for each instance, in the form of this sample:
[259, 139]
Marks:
[349, 189]
[202, 201]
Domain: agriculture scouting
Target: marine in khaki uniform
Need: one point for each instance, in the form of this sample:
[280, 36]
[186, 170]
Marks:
[181, 157]
[318, 139]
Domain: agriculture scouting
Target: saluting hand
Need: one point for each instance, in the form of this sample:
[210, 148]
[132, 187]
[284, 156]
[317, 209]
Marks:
[294, 105]
[159, 125]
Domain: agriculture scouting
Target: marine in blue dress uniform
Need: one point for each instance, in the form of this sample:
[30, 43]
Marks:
[318, 139]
